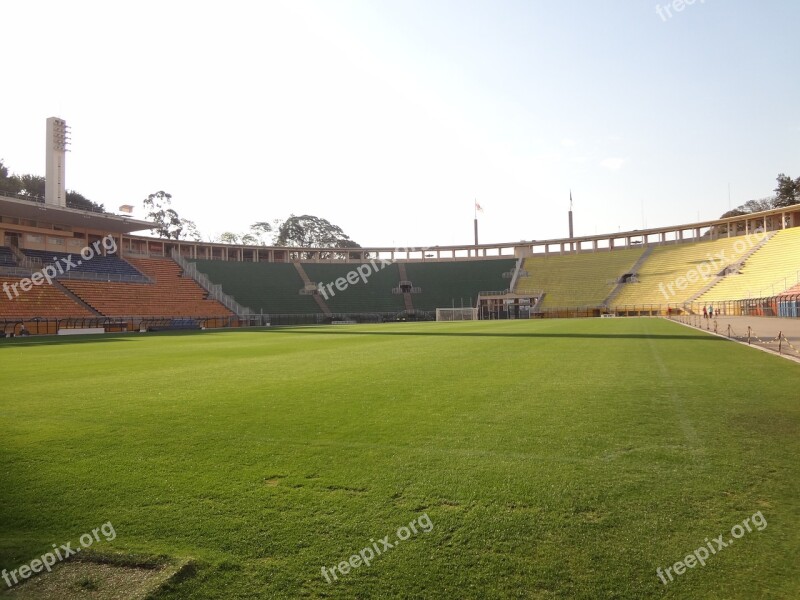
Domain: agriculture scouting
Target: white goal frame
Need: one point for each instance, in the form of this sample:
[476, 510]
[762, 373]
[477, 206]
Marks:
[456, 314]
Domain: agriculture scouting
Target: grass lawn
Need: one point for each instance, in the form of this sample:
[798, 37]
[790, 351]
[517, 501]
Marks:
[554, 459]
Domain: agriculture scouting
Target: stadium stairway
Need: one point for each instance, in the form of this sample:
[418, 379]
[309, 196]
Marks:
[372, 294]
[311, 286]
[768, 271]
[734, 267]
[668, 265]
[269, 288]
[44, 301]
[170, 294]
[634, 270]
[577, 279]
[7, 257]
[408, 302]
[75, 298]
[455, 284]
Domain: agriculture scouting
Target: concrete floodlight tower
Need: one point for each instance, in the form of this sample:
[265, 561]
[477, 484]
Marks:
[55, 189]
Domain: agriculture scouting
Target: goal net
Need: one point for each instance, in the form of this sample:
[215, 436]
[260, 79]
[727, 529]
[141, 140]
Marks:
[456, 314]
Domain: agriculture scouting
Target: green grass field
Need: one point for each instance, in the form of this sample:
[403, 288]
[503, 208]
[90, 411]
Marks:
[554, 459]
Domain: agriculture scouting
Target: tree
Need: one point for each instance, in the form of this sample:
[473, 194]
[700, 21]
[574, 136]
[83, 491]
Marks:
[76, 200]
[190, 231]
[8, 183]
[752, 206]
[229, 237]
[168, 224]
[786, 194]
[32, 185]
[258, 231]
[788, 191]
[736, 212]
[309, 231]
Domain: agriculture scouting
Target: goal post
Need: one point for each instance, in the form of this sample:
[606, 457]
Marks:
[456, 314]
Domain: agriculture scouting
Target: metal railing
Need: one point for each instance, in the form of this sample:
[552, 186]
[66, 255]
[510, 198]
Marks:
[214, 290]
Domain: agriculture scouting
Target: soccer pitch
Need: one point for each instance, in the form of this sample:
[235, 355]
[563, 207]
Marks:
[534, 459]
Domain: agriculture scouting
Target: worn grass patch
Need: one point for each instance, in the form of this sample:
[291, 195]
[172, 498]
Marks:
[104, 578]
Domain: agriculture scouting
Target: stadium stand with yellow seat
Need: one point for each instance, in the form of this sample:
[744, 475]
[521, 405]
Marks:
[271, 288]
[576, 279]
[769, 271]
[170, 294]
[457, 283]
[673, 273]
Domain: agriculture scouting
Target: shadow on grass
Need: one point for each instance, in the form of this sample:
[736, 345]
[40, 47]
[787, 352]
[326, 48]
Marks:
[599, 336]
[125, 336]
[55, 340]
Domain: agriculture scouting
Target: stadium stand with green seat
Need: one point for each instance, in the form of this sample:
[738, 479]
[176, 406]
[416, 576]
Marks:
[373, 295]
[271, 288]
[456, 283]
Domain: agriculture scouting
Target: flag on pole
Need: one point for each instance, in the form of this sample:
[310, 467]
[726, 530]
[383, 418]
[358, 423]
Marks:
[478, 207]
[570, 199]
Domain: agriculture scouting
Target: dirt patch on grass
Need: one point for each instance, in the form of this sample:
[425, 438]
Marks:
[73, 580]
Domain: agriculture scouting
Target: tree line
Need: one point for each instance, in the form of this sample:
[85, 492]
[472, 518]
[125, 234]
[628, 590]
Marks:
[31, 187]
[787, 193]
[303, 231]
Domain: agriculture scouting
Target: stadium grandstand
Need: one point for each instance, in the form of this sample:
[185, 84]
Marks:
[135, 282]
[66, 270]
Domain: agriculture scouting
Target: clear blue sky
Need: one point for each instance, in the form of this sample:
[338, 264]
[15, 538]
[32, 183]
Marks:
[389, 118]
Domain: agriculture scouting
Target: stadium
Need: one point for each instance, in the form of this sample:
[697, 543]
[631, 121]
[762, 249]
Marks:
[747, 264]
[561, 418]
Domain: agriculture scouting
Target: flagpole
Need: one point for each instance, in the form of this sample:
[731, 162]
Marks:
[475, 208]
[571, 232]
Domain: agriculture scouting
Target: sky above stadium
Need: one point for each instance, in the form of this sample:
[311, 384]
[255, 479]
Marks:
[390, 118]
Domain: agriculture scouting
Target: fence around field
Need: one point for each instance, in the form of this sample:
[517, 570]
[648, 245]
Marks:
[768, 334]
[11, 326]
[787, 306]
